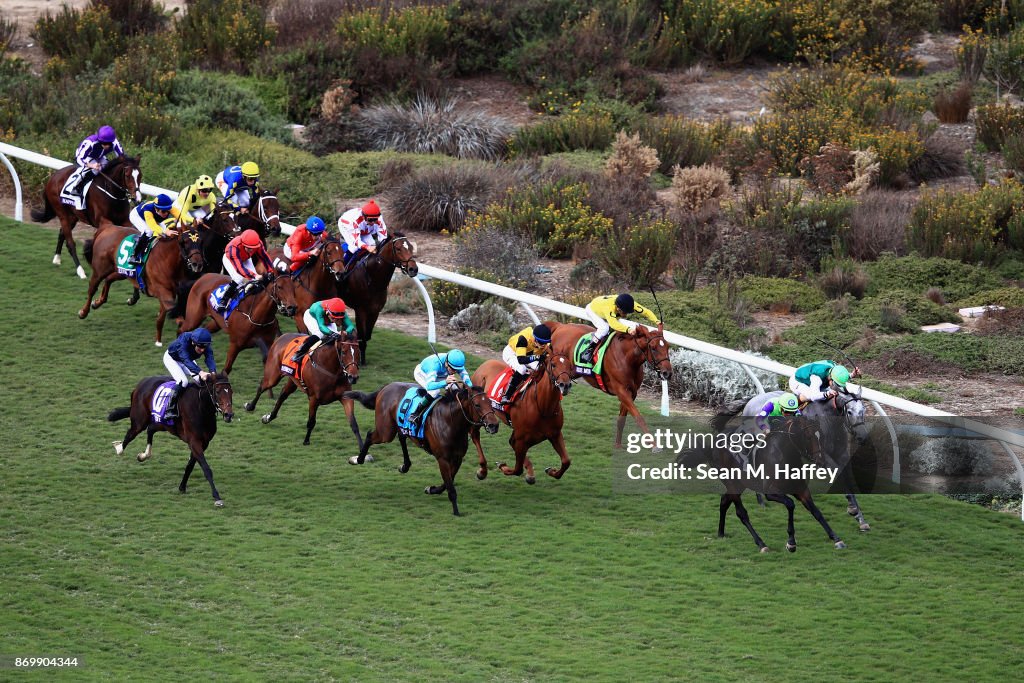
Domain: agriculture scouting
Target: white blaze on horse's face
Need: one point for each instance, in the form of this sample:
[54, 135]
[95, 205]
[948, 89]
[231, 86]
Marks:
[138, 191]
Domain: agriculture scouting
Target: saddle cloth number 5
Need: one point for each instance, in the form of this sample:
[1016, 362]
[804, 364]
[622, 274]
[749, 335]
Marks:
[125, 252]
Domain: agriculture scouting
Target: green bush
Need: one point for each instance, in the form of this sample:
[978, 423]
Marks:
[440, 198]
[306, 72]
[766, 293]
[956, 280]
[225, 33]
[1004, 63]
[209, 99]
[723, 30]
[1010, 297]
[970, 226]
[970, 352]
[449, 298]
[680, 141]
[564, 134]
[700, 314]
[637, 254]
[995, 122]
[78, 40]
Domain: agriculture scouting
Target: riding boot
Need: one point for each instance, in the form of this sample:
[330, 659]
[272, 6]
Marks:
[588, 353]
[77, 189]
[172, 403]
[414, 419]
[140, 249]
[229, 294]
[307, 343]
[513, 384]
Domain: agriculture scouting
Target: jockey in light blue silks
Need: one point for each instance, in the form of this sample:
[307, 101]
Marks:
[93, 155]
[238, 185]
[435, 373]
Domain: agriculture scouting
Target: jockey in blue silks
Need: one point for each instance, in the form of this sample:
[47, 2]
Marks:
[437, 371]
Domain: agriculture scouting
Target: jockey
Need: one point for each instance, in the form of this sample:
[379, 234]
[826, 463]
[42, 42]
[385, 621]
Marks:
[303, 244]
[151, 219]
[437, 372]
[604, 312]
[238, 185]
[322, 320]
[239, 257]
[362, 229]
[523, 354]
[94, 154]
[808, 379]
[195, 202]
[180, 361]
[786, 405]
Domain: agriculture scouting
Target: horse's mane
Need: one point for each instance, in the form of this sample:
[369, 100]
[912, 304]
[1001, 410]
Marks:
[123, 161]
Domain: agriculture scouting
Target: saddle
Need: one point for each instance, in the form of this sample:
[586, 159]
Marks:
[496, 390]
[217, 296]
[414, 398]
[160, 402]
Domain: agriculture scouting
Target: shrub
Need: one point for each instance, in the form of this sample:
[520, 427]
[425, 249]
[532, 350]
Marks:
[623, 199]
[956, 280]
[942, 158]
[78, 40]
[134, 17]
[830, 170]
[769, 293]
[308, 70]
[563, 134]
[225, 33]
[509, 256]
[951, 456]
[8, 31]
[205, 98]
[1010, 297]
[1013, 151]
[441, 198]
[970, 55]
[1004, 61]
[434, 126]
[953, 106]
[843, 277]
[995, 122]
[896, 150]
[488, 316]
[449, 298]
[878, 224]
[695, 188]
[637, 254]
[1009, 322]
[680, 141]
[711, 380]
[698, 239]
[630, 158]
[298, 20]
[724, 31]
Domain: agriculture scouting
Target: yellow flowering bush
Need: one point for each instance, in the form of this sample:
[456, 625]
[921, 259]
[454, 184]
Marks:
[969, 226]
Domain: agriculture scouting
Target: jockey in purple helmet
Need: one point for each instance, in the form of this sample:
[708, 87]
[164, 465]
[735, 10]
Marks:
[94, 153]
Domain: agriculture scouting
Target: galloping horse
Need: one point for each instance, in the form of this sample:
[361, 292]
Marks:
[535, 416]
[164, 268]
[786, 447]
[221, 226]
[111, 195]
[264, 216]
[622, 370]
[445, 432]
[836, 419]
[196, 424]
[364, 287]
[331, 370]
[318, 279]
[253, 323]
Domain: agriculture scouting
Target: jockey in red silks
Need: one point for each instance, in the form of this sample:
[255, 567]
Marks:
[362, 229]
[303, 244]
[245, 260]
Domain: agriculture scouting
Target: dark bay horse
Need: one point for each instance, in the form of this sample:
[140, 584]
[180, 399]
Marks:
[165, 267]
[216, 231]
[331, 371]
[196, 425]
[446, 431]
[364, 286]
[252, 324]
[622, 372]
[318, 279]
[535, 416]
[836, 420]
[263, 216]
[111, 195]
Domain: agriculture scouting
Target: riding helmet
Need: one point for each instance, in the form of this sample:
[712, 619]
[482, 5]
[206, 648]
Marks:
[839, 375]
[106, 134]
[204, 182]
[625, 303]
[315, 225]
[542, 334]
[251, 239]
[202, 337]
[371, 210]
[456, 359]
[335, 307]
[789, 403]
[250, 169]
[163, 202]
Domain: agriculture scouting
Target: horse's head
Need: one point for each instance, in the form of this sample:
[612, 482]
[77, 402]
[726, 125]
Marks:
[191, 243]
[655, 349]
[222, 220]
[268, 212]
[124, 174]
[282, 293]
[397, 251]
[560, 369]
[478, 409]
[332, 256]
[219, 388]
[348, 357]
[850, 406]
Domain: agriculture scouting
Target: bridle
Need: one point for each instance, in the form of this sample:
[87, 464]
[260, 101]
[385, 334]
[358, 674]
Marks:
[196, 239]
[263, 216]
[846, 415]
[402, 264]
[474, 394]
[124, 169]
[647, 352]
[211, 388]
[341, 344]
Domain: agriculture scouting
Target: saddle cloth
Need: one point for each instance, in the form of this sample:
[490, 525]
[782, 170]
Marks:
[159, 403]
[71, 199]
[217, 295]
[496, 390]
[594, 368]
[410, 402]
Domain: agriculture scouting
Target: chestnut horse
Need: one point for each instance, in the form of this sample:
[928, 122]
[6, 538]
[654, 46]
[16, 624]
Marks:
[252, 323]
[535, 416]
[111, 195]
[196, 425]
[331, 371]
[445, 433]
[364, 286]
[622, 371]
[165, 267]
[318, 279]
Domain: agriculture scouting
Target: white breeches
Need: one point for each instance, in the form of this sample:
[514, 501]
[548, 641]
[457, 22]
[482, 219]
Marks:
[511, 360]
[812, 391]
[603, 328]
[235, 276]
[314, 327]
[423, 379]
[178, 371]
[140, 223]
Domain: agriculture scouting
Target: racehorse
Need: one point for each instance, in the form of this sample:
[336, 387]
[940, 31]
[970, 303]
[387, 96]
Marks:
[165, 267]
[317, 279]
[445, 433]
[837, 419]
[786, 446]
[196, 425]
[263, 216]
[535, 416]
[332, 369]
[216, 230]
[252, 323]
[622, 370]
[364, 286]
[110, 196]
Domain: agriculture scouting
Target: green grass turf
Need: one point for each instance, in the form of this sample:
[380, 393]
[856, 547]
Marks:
[317, 570]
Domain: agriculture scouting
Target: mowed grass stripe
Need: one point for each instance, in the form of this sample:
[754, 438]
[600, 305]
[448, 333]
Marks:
[319, 570]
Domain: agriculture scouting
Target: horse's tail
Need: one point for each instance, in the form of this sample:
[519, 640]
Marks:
[87, 250]
[119, 414]
[367, 400]
[727, 411]
[47, 212]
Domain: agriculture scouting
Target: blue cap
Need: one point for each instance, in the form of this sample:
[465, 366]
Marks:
[202, 336]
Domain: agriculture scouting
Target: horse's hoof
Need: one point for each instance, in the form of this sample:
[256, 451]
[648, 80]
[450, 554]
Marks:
[82, 313]
[765, 549]
[218, 503]
[130, 301]
[81, 273]
[159, 343]
[142, 457]
[56, 259]
[305, 442]
[250, 406]
[791, 547]
[865, 527]
[94, 305]
[852, 510]
[481, 474]
[427, 490]
[354, 460]
[266, 419]
[368, 458]
[403, 469]
[657, 450]
[118, 448]
[530, 480]
[840, 545]
[182, 491]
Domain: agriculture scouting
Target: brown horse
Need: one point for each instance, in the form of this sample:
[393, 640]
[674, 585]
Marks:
[622, 372]
[196, 424]
[364, 286]
[253, 323]
[535, 416]
[318, 279]
[111, 195]
[445, 434]
[263, 216]
[165, 267]
[332, 369]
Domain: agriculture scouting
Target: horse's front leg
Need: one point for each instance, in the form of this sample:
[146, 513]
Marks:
[519, 447]
[790, 507]
[481, 472]
[742, 515]
[183, 486]
[285, 393]
[627, 405]
[808, 502]
[559, 443]
[314, 405]
[94, 283]
[447, 483]
[853, 509]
